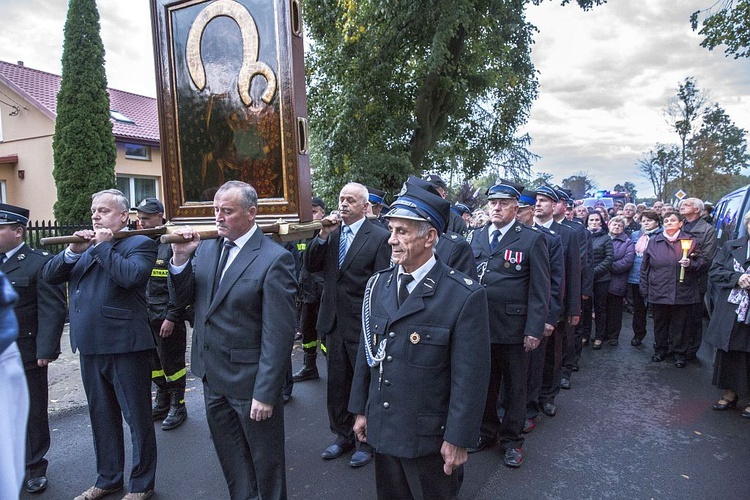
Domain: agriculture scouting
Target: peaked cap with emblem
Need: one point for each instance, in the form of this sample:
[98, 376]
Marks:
[504, 190]
[417, 203]
[11, 214]
[461, 209]
[527, 199]
[436, 181]
[548, 192]
[376, 196]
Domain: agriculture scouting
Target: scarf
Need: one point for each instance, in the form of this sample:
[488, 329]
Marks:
[672, 238]
[740, 297]
[642, 243]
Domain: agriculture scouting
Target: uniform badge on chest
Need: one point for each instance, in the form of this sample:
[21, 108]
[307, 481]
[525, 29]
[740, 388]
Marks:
[414, 338]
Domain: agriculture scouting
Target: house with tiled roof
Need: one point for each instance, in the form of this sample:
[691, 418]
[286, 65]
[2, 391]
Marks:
[28, 109]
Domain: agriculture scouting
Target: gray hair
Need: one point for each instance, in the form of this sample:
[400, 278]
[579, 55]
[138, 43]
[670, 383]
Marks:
[696, 202]
[364, 194]
[120, 199]
[618, 219]
[248, 198]
[630, 205]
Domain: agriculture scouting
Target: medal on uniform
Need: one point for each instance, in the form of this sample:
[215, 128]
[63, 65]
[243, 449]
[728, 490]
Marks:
[517, 260]
[508, 255]
[414, 338]
[507, 264]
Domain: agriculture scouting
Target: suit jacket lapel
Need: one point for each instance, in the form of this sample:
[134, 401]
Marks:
[484, 239]
[357, 244]
[247, 255]
[508, 238]
[740, 255]
[390, 301]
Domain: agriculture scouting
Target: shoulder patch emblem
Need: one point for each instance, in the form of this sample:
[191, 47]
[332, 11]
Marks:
[468, 281]
[454, 237]
[518, 229]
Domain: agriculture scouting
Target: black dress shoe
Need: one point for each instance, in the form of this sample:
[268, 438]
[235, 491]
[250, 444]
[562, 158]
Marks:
[360, 458]
[746, 413]
[635, 342]
[564, 383]
[36, 484]
[613, 342]
[657, 358]
[335, 451]
[549, 409]
[680, 363]
[575, 366]
[725, 404]
[484, 442]
[513, 457]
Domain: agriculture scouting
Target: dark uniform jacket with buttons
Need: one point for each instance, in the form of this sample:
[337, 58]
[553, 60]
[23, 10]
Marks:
[343, 289]
[571, 297]
[244, 333]
[516, 278]
[556, 274]
[107, 292]
[434, 380]
[456, 253]
[40, 308]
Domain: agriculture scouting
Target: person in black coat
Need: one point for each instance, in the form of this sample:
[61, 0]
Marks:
[40, 310]
[729, 328]
[513, 266]
[423, 361]
[602, 253]
[348, 251]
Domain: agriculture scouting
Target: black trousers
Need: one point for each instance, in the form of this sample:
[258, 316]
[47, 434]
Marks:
[553, 364]
[342, 358]
[535, 377]
[119, 385]
[308, 320]
[509, 365]
[601, 290]
[614, 316]
[670, 329]
[415, 478]
[251, 453]
[569, 350]
[37, 429]
[168, 369]
[640, 312]
[695, 328]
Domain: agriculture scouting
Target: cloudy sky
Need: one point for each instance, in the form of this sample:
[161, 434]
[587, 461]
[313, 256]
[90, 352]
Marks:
[605, 75]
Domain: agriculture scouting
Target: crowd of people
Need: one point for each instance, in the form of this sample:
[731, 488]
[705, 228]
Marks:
[445, 331]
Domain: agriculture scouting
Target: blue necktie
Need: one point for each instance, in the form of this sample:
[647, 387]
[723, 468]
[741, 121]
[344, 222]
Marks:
[343, 244]
[495, 240]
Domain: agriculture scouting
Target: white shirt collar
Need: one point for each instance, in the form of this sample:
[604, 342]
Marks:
[418, 273]
[354, 227]
[10, 253]
[240, 242]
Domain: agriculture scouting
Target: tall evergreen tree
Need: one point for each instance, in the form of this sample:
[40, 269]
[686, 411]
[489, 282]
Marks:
[83, 145]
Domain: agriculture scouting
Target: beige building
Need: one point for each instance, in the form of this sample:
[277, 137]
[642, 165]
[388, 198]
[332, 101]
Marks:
[28, 108]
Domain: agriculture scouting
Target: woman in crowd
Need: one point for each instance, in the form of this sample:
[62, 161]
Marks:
[602, 253]
[729, 329]
[650, 226]
[622, 262]
[669, 283]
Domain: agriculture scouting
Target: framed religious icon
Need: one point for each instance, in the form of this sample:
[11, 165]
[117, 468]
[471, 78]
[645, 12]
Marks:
[231, 97]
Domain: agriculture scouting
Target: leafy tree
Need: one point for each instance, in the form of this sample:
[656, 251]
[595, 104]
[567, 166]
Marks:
[717, 152]
[661, 166]
[580, 184]
[629, 188]
[405, 86]
[682, 112]
[726, 22]
[83, 144]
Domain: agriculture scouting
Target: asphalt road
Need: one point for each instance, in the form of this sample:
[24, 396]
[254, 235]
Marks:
[628, 429]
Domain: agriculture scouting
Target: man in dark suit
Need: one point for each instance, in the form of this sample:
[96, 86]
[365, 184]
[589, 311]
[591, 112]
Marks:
[569, 312]
[347, 256]
[41, 312]
[242, 287]
[513, 266]
[423, 362]
[109, 326]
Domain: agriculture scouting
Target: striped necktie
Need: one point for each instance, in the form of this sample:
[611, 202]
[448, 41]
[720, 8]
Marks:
[343, 244]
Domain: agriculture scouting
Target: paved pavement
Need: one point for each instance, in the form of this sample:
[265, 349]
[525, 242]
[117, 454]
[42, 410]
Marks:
[628, 429]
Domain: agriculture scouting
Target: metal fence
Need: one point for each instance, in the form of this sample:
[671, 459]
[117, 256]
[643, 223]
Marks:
[43, 229]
